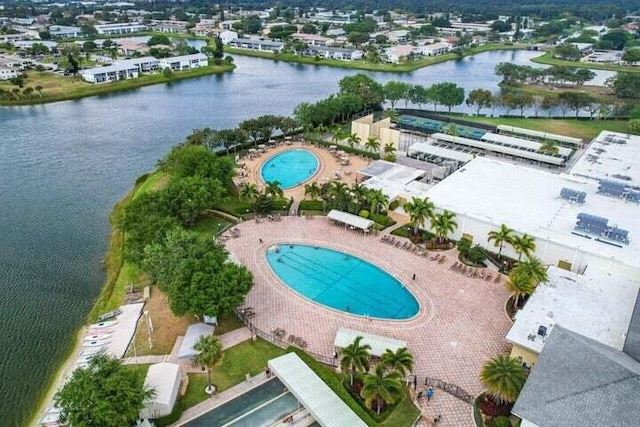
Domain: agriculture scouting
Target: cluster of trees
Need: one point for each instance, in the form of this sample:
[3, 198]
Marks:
[262, 200]
[625, 85]
[420, 210]
[20, 92]
[384, 385]
[445, 93]
[191, 271]
[558, 75]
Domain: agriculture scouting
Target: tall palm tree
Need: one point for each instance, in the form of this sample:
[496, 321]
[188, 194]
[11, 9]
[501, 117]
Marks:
[500, 237]
[389, 148]
[549, 147]
[337, 189]
[519, 286]
[372, 144]
[210, 354]
[531, 268]
[338, 134]
[392, 114]
[354, 357]
[273, 189]
[359, 192]
[451, 129]
[312, 190]
[249, 191]
[524, 244]
[353, 139]
[381, 387]
[419, 211]
[401, 361]
[443, 224]
[504, 377]
[378, 201]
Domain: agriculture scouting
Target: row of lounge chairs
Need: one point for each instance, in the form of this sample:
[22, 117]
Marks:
[438, 257]
[475, 273]
[297, 341]
[279, 332]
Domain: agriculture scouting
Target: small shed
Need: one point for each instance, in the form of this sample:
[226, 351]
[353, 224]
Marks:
[165, 379]
[194, 332]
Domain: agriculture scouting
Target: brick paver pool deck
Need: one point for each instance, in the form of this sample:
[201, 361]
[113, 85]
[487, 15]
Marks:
[461, 323]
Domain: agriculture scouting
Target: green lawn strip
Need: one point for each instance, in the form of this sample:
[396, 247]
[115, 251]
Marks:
[209, 225]
[404, 414]
[311, 205]
[548, 59]
[78, 89]
[585, 129]
[228, 322]
[369, 66]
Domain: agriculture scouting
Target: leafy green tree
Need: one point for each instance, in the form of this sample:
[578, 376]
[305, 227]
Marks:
[189, 160]
[531, 268]
[524, 244]
[567, 51]
[381, 387]
[249, 191]
[190, 196]
[38, 89]
[355, 357]
[105, 394]
[501, 236]
[400, 361]
[210, 354]
[273, 190]
[309, 28]
[418, 95]
[634, 126]
[159, 39]
[480, 98]
[357, 38]
[378, 201]
[631, 55]
[615, 39]
[576, 101]
[312, 190]
[370, 91]
[419, 211]
[449, 94]
[626, 85]
[395, 91]
[503, 377]
[443, 224]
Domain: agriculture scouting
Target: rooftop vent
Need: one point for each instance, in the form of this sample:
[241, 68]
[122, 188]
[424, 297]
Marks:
[573, 196]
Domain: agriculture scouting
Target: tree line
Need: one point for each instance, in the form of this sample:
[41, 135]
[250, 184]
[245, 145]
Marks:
[556, 75]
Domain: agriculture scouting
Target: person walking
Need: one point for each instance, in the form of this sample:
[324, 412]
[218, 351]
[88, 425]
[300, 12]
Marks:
[429, 394]
[414, 276]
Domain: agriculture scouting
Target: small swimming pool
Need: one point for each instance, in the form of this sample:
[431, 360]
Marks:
[341, 281]
[290, 168]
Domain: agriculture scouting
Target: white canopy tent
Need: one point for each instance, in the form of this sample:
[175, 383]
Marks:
[350, 219]
[165, 379]
[378, 343]
[316, 396]
[194, 332]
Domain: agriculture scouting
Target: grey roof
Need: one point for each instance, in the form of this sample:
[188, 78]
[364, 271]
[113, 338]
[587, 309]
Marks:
[579, 382]
[194, 332]
[632, 343]
[377, 167]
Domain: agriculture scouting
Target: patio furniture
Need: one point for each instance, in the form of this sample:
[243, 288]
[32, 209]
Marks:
[442, 259]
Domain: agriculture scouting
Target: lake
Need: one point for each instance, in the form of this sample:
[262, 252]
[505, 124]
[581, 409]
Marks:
[63, 166]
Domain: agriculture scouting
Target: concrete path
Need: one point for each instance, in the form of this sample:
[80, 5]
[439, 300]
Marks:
[235, 337]
[145, 360]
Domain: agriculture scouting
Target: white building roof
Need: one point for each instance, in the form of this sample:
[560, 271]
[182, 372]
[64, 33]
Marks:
[527, 200]
[183, 58]
[378, 343]
[445, 153]
[524, 144]
[611, 155]
[597, 305]
[393, 179]
[164, 378]
[194, 332]
[541, 135]
[350, 219]
[321, 402]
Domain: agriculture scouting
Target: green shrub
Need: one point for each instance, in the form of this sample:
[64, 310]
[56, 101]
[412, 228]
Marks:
[394, 205]
[499, 422]
[464, 246]
[390, 157]
[381, 219]
[477, 255]
[310, 205]
[364, 213]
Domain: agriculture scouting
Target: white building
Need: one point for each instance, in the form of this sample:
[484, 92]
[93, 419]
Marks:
[397, 54]
[334, 53]
[7, 73]
[12, 38]
[398, 36]
[227, 36]
[120, 70]
[165, 379]
[124, 28]
[184, 62]
[312, 39]
[262, 45]
[434, 49]
[64, 31]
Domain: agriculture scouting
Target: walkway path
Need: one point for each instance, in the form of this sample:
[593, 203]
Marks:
[293, 210]
[145, 360]
[219, 399]
[235, 337]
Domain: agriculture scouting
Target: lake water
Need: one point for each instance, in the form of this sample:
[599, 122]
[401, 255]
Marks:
[64, 165]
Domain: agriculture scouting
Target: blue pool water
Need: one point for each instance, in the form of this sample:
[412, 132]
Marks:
[341, 281]
[290, 168]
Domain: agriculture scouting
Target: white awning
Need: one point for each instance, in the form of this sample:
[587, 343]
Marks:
[350, 219]
[524, 144]
[378, 343]
[542, 135]
[322, 403]
[444, 153]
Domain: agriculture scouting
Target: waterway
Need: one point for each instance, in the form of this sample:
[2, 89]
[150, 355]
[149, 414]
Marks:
[64, 165]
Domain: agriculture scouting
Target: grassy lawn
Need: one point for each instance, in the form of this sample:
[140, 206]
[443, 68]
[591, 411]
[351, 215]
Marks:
[209, 225]
[60, 88]
[364, 65]
[548, 59]
[585, 129]
[404, 414]
[228, 322]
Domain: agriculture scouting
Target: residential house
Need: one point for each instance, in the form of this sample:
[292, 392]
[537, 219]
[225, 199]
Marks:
[12, 38]
[228, 25]
[227, 36]
[398, 36]
[399, 53]
[584, 48]
[64, 31]
[120, 70]
[130, 47]
[9, 69]
[124, 28]
[434, 49]
[334, 53]
[205, 29]
[261, 45]
[336, 32]
[184, 62]
[312, 39]
[174, 27]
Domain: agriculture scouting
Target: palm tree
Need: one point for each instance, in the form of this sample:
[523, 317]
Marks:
[338, 135]
[353, 139]
[391, 114]
[249, 191]
[519, 286]
[273, 189]
[504, 377]
[381, 387]
[419, 211]
[549, 147]
[451, 129]
[378, 201]
[210, 354]
[531, 268]
[337, 189]
[442, 224]
[312, 190]
[401, 361]
[500, 237]
[372, 144]
[524, 244]
[389, 148]
[355, 357]
[359, 193]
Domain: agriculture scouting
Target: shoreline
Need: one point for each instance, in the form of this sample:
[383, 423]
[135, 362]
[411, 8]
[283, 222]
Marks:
[98, 89]
[548, 59]
[368, 66]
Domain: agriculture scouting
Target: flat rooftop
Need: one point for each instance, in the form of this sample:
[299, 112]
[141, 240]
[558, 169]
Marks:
[528, 200]
[611, 155]
[394, 179]
[597, 305]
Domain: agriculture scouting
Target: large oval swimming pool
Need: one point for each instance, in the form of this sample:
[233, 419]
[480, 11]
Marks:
[290, 168]
[341, 281]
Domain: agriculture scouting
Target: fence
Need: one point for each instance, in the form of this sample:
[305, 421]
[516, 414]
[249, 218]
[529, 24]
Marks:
[451, 389]
[268, 336]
